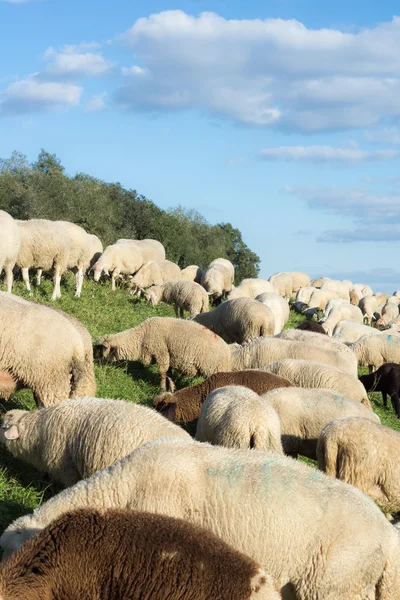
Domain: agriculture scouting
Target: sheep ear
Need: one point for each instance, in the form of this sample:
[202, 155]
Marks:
[12, 433]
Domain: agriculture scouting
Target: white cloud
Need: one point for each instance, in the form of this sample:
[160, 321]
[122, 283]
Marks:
[74, 62]
[325, 154]
[265, 72]
[30, 95]
[387, 135]
[96, 103]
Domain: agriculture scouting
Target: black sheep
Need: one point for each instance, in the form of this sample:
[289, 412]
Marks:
[386, 380]
[311, 326]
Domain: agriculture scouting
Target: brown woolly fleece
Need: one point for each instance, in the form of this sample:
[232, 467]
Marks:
[185, 405]
[127, 555]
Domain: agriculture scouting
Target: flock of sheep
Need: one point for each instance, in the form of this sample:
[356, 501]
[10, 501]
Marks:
[148, 511]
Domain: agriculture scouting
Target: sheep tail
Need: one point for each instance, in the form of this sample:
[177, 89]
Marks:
[83, 381]
[261, 438]
[327, 456]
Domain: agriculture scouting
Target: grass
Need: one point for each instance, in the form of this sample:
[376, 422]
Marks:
[22, 488]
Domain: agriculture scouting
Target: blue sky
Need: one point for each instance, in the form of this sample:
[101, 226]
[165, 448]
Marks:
[270, 114]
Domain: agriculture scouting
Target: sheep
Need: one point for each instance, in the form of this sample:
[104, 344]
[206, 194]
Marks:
[127, 554]
[236, 417]
[382, 298]
[10, 242]
[304, 412]
[349, 332]
[283, 284]
[396, 293]
[318, 300]
[303, 297]
[263, 351]
[389, 313]
[185, 404]
[239, 320]
[183, 295]
[339, 287]
[149, 249]
[46, 351]
[154, 273]
[368, 306]
[363, 453]
[313, 374]
[118, 259]
[250, 288]
[75, 438]
[79, 251]
[386, 380]
[171, 343]
[319, 281]
[340, 313]
[191, 273]
[311, 326]
[373, 351]
[96, 250]
[299, 280]
[44, 245]
[317, 536]
[279, 307]
[218, 278]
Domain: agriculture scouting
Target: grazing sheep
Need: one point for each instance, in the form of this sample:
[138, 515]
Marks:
[304, 412]
[363, 453]
[341, 288]
[76, 438]
[299, 280]
[318, 300]
[191, 273]
[382, 298]
[239, 320]
[317, 536]
[374, 350]
[311, 326]
[263, 351]
[369, 306]
[386, 380]
[63, 367]
[185, 405]
[312, 374]
[79, 251]
[319, 282]
[303, 298]
[154, 273]
[124, 554]
[44, 245]
[96, 250]
[10, 241]
[149, 249]
[183, 295]
[338, 313]
[236, 417]
[218, 278]
[389, 313]
[349, 332]
[283, 284]
[279, 307]
[171, 343]
[250, 288]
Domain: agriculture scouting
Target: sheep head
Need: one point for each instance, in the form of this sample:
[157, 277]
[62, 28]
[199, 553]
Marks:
[10, 425]
[104, 349]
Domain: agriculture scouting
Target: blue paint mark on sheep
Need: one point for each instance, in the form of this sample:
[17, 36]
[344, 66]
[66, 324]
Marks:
[231, 472]
[338, 399]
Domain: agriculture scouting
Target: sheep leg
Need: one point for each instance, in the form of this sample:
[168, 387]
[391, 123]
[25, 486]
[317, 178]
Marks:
[25, 277]
[384, 399]
[370, 368]
[182, 313]
[79, 282]
[113, 279]
[176, 310]
[56, 282]
[9, 278]
[39, 273]
[396, 404]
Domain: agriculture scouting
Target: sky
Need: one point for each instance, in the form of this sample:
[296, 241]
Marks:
[274, 115]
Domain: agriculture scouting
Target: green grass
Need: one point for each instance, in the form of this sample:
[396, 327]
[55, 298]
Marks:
[22, 488]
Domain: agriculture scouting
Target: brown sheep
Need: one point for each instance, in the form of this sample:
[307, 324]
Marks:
[186, 404]
[124, 554]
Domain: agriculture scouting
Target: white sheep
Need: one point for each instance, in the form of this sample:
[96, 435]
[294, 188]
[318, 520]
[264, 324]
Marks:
[342, 289]
[149, 249]
[315, 535]
[299, 280]
[365, 454]
[303, 297]
[304, 412]
[374, 350]
[10, 241]
[44, 245]
[338, 313]
[369, 306]
[191, 273]
[218, 278]
[239, 320]
[76, 438]
[236, 417]
[96, 250]
[318, 300]
[279, 307]
[170, 343]
[80, 247]
[154, 273]
[349, 332]
[319, 281]
[283, 284]
[250, 288]
[390, 311]
[183, 295]
[313, 374]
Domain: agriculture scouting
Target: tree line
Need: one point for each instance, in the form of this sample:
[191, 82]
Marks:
[43, 190]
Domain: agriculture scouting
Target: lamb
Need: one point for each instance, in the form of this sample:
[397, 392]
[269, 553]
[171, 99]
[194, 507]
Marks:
[386, 380]
[389, 313]
[374, 351]
[75, 438]
[218, 278]
[364, 454]
[185, 404]
[264, 351]
[313, 374]
[10, 242]
[339, 287]
[236, 417]
[183, 295]
[191, 273]
[170, 343]
[340, 313]
[79, 251]
[304, 412]
[283, 514]
[279, 307]
[250, 288]
[154, 273]
[44, 245]
[299, 280]
[311, 326]
[239, 320]
[303, 297]
[283, 284]
[127, 554]
[61, 369]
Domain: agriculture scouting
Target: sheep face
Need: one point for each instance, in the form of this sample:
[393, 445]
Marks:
[97, 271]
[104, 350]
[10, 429]
[151, 297]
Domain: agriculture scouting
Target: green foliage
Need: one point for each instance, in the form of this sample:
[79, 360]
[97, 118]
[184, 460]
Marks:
[43, 190]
